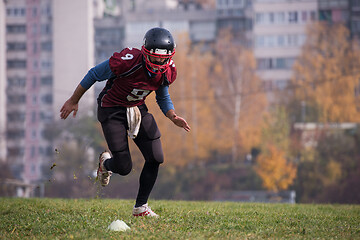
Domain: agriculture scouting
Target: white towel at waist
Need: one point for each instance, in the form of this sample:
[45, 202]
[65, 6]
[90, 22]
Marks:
[134, 119]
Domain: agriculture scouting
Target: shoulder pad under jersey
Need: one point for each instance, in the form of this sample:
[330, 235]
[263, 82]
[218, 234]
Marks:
[123, 61]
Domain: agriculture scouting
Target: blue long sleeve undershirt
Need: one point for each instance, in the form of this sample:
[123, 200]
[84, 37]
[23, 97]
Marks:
[103, 72]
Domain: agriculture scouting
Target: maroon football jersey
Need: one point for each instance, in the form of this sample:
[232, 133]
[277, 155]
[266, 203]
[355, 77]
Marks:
[132, 83]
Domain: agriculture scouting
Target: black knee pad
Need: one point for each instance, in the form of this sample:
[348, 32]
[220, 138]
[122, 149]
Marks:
[157, 152]
[121, 163]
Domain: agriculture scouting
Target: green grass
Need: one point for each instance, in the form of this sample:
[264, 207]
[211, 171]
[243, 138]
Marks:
[89, 218]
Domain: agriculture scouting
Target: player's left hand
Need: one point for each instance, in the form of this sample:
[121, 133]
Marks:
[180, 122]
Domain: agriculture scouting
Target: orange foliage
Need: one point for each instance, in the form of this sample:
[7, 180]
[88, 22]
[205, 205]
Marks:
[328, 72]
[274, 170]
[237, 88]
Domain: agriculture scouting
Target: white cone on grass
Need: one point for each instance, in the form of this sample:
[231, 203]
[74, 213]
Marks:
[118, 225]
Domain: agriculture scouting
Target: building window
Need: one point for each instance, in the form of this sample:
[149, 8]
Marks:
[15, 12]
[275, 63]
[16, 151]
[280, 63]
[46, 80]
[15, 134]
[46, 116]
[33, 134]
[16, 98]
[267, 85]
[33, 169]
[34, 82]
[34, 29]
[16, 46]
[35, 64]
[260, 18]
[281, 42]
[46, 64]
[16, 64]
[47, 99]
[238, 3]
[45, 29]
[16, 116]
[281, 84]
[291, 40]
[325, 15]
[355, 26]
[15, 29]
[357, 89]
[33, 151]
[279, 18]
[34, 12]
[46, 46]
[313, 15]
[34, 100]
[355, 3]
[293, 17]
[33, 118]
[16, 82]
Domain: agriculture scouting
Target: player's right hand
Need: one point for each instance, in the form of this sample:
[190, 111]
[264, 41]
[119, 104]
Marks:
[68, 107]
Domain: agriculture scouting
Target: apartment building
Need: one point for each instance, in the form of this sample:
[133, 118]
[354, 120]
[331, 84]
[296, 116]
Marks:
[236, 15]
[354, 19]
[279, 32]
[200, 24]
[341, 11]
[48, 50]
[3, 150]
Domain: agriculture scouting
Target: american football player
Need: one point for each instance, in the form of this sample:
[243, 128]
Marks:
[132, 74]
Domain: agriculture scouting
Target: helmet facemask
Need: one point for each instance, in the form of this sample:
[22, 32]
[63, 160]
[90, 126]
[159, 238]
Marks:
[163, 54]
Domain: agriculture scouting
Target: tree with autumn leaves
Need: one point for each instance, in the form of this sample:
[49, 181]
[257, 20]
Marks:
[237, 93]
[327, 74]
[325, 90]
[275, 164]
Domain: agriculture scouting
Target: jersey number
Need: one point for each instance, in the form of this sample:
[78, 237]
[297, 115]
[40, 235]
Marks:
[139, 94]
[128, 56]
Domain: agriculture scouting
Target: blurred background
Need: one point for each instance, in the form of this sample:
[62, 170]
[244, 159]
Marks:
[270, 88]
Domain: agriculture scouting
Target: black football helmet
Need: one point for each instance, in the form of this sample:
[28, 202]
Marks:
[158, 43]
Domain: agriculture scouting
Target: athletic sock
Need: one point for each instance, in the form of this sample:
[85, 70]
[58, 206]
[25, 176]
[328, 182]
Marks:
[147, 181]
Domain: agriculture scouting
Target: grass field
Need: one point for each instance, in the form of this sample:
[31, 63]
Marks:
[89, 219]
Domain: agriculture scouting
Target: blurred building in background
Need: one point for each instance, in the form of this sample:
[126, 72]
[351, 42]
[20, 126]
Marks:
[237, 16]
[47, 46]
[341, 11]
[73, 50]
[2, 84]
[279, 32]
[48, 49]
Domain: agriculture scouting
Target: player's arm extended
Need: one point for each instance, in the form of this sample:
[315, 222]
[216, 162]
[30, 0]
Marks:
[167, 107]
[98, 73]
